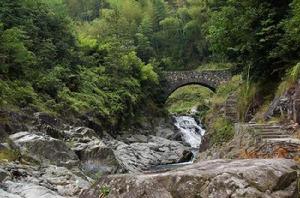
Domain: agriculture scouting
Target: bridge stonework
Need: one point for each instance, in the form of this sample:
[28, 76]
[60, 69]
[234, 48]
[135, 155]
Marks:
[210, 79]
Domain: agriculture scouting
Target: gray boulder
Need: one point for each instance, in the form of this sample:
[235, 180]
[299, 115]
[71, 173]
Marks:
[136, 157]
[266, 178]
[51, 181]
[95, 156]
[29, 190]
[44, 149]
[3, 174]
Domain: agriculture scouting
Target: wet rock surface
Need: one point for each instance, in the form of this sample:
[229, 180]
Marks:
[215, 178]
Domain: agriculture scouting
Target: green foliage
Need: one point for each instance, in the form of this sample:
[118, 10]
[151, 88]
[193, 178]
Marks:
[14, 55]
[222, 131]
[225, 89]
[291, 77]
[104, 56]
[294, 73]
[43, 66]
[245, 98]
[16, 93]
[214, 66]
[183, 100]
[259, 34]
[104, 190]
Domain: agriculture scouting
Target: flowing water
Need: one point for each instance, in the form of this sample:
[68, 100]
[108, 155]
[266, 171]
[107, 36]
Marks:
[191, 133]
[190, 130]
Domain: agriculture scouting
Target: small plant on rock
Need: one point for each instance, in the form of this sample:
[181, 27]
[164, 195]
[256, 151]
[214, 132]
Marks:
[104, 191]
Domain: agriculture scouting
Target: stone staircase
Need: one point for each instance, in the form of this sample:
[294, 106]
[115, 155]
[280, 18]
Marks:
[268, 132]
[230, 108]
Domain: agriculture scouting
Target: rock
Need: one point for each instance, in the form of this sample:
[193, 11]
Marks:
[80, 132]
[3, 174]
[12, 122]
[136, 157]
[46, 119]
[30, 190]
[215, 178]
[129, 139]
[5, 194]
[49, 181]
[44, 149]
[64, 181]
[96, 157]
[249, 142]
[165, 132]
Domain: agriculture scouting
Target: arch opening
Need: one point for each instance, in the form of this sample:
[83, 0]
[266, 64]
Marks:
[188, 98]
[176, 87]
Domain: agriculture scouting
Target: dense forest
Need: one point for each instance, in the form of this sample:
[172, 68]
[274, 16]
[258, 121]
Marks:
[106, 56]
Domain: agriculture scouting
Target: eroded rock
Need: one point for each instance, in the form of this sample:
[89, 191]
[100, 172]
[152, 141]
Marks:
[215, 178]
[44, 149]
[31, 181]
[136, 157]
[95, 156]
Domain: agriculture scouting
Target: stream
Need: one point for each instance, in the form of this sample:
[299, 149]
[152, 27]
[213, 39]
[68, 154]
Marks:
[190, 130]
[191, 133]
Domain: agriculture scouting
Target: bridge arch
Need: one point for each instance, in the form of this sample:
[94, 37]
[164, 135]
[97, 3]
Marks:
[210, 79]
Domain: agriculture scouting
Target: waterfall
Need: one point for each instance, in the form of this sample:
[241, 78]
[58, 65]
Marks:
[191, 131]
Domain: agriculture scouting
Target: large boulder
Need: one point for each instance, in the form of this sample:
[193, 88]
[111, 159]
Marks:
[51, 181]
[29, 190]
[44, 149]
[215, 178]
[95, 156]
[139, 156]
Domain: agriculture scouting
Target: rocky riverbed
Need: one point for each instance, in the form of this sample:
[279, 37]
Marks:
[44, 157]
[49, 158]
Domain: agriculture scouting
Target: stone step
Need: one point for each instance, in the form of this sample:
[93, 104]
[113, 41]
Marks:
[231, 110]
[231, 114]
[288, 140]
[231, 105]
[231, 99]
[274, 136]
[263, 125]
[266, 127]
[270, 133]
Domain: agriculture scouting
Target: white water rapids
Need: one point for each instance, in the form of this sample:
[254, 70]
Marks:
[191, 131]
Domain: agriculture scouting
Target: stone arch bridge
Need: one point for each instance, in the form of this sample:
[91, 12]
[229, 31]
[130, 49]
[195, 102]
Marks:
[210, 79]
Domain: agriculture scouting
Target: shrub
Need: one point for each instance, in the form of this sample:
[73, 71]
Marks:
[291, 77]
[223, 131]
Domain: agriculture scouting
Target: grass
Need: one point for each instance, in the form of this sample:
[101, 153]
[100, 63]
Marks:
[104, 190]
[223, 131]
[291, 77]
[188, 97]
[214, 66]
[225, 90]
